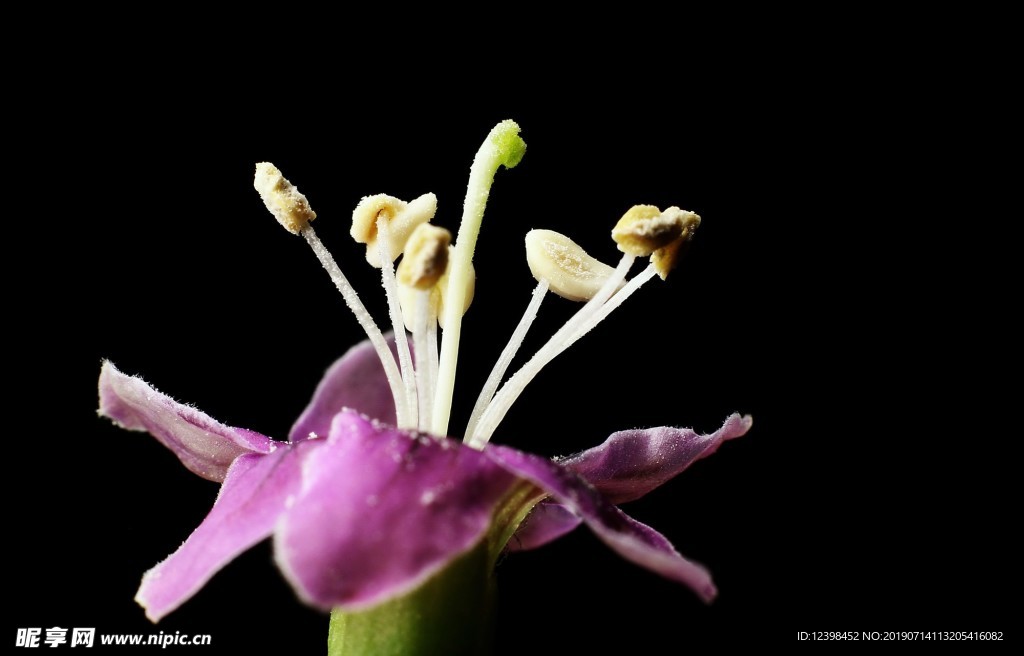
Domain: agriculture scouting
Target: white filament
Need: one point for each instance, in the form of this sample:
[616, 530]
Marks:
[505, 359]
[582, 322]
[387, 272]
[602, 313]
[365, 320]
[424, 389]
[432, 353]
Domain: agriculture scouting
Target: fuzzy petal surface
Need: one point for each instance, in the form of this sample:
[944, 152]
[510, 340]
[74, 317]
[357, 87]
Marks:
[631, 463]
[256, 491]
[203, 444]
[631, 539]
[381, 510]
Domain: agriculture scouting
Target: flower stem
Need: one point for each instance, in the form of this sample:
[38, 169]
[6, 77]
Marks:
[449, 614]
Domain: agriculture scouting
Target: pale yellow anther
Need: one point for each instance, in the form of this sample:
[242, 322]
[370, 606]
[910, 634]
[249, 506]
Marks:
[665, 258]
[289, 207]
[570, 272]
[644, 229]
[402, 219]
[364, 216]
[442, 288]
[426, 257]
[407, 295]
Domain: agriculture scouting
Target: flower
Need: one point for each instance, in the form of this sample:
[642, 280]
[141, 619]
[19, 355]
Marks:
[362, 512]
[369, 501]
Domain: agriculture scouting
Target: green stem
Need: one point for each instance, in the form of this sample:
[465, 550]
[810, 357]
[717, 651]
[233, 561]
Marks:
[449, 614]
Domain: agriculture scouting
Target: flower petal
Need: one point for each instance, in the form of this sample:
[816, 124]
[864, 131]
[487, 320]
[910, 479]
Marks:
[256, 490]
[381, 510]
[547, 522]
[627, 466]
[631, 539]
[632, 463]
[356, 380]
[203, 444]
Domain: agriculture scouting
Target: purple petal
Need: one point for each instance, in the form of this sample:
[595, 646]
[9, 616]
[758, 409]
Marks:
[632, 463]
[203, 444]
[547, 522]
[255, 492]
[356, 380]
[381, 510]
[631, 539]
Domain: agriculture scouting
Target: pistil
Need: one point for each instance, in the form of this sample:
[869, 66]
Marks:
[503, 146]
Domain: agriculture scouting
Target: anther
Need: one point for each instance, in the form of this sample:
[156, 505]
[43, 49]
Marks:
[568, 269]
[402, 219]
[665, 258]
[289, 207]
[292, 210]
[426, 257]
[438, 294]
[644, 229]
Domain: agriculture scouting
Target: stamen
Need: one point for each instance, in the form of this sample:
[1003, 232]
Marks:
[503, 146]
[424, 382]
[424, 262]
[644, 229]
[289, 207]
[665, 258]
[443, 291]
[507, 354]
[426, 257]
[366, 213]
[568, 269]
[403, 218]
[387, 271]
[432, 363]
[615, 301]
[292, 210]
[597, 309]
[407, 296]
[515, 385]
[561, 264]
[365, 320]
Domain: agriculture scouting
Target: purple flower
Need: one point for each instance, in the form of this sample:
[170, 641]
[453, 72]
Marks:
[368, 500]
[362, 512]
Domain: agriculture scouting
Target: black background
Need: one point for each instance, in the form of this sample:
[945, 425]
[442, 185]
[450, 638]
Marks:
[852, 505]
